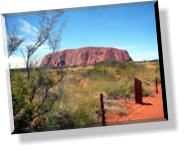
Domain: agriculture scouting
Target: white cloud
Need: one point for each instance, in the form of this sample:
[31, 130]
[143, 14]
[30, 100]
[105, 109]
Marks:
[16, 62]
[27, 27]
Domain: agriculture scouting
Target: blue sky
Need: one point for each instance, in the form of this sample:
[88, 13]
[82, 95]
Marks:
[131, 27]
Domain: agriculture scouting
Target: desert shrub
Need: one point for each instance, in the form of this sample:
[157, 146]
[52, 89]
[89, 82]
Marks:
[157, 72]
[98, 72]
[113, 94]
[32, 99]
[126, 90]
[146, 91]
[81, 114]
[18, 91]
[82, 117]
[129, 69]
[103, 72]
[86, 112]
[112, 64]
[23, 121]
[115, 106]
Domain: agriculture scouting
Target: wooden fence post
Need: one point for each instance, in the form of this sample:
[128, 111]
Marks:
[156, 87]
[138, 91]
[102, 109]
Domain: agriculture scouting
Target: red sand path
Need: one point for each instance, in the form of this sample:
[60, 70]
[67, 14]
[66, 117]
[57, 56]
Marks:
[138, 111]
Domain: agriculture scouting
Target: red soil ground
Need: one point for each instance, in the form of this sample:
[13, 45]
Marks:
[152, 108]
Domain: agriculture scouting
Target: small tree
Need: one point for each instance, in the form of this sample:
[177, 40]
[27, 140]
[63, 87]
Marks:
[35, 91]
[39, 97]
[46, 25]
[33, 98]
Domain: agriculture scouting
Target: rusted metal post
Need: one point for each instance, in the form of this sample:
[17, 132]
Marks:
[138, 91]
[102, 109]
[156, 87]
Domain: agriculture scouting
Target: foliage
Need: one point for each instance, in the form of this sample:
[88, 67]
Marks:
[32, 98]
[18, 91]
[126, 90]
[58, 98]
[98, 72]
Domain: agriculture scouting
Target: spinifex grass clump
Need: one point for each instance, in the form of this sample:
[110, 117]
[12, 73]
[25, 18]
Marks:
[126, 90]
[98, 72]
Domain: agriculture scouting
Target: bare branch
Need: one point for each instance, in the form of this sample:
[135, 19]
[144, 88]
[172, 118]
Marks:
[14, 41]
[44, 98]
[47, 24]
[54, 40]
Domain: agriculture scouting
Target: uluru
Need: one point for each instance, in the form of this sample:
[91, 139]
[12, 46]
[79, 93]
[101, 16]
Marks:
[85, 56]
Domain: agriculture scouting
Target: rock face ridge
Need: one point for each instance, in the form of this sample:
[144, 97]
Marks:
[85, 56]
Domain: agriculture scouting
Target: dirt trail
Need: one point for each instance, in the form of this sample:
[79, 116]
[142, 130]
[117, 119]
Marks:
[152, 108]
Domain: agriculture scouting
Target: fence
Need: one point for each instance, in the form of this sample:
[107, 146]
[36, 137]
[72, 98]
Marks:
[138, 91]
[138, 96]
[102, 109]
[156, 87]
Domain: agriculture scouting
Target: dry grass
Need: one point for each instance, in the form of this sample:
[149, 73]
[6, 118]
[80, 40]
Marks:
[81, 87]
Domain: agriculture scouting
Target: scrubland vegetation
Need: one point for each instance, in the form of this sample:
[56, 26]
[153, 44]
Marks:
[69, 97]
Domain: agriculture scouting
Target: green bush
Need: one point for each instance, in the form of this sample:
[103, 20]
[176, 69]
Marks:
[76, 106]
[126, 90]
[98, 72]
[83, 114]
[18, 91]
